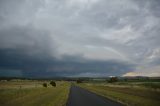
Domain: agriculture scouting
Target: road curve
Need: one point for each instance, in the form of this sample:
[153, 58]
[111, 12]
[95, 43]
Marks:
[81, 97]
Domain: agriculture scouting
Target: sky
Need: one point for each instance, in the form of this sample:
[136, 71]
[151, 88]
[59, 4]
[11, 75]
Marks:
[79, 38]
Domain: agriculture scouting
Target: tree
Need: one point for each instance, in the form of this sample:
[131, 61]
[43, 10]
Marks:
[45, 85]
[113, 79]
[79, 81]
[53, 83]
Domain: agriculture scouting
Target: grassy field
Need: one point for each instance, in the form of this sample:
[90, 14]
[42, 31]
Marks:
[32, 93]
[131, 94]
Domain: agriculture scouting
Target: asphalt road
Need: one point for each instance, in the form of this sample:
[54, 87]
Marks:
[81, 97]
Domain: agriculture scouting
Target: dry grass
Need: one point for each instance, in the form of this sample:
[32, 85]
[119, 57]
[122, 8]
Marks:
[132, 96]
[33, 94]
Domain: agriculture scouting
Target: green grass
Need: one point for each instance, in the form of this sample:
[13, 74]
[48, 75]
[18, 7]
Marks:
[144, 85]
[132, 96]
[154, 85]
[33, 94]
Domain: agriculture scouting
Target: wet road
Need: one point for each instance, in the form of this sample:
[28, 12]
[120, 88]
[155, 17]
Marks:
[81, 97]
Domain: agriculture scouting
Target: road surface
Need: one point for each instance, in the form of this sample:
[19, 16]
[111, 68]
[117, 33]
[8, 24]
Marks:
[81, 97]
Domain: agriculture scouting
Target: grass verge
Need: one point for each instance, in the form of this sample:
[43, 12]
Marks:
[38, 96]
[126, 95]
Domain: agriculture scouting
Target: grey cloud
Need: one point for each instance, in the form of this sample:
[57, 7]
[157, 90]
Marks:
[153, 6]
[67, 37]
[26, 39]
[28, 66]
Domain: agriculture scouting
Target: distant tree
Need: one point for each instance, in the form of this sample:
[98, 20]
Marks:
[53, 83]
[113, 79]
[79, 81]
[45, 85]
[125, 79]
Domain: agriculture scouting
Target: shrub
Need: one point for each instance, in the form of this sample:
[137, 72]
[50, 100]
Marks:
[45, 85]
[79, 81]
[113, 79]
[53, 83]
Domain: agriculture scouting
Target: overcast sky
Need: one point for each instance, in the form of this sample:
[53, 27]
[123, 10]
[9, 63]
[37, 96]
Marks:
[45, 38]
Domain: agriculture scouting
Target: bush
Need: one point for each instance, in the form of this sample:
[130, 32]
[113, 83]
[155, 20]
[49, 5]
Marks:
[113, 79]
[45, 85]
[79, 81]
[53, 83]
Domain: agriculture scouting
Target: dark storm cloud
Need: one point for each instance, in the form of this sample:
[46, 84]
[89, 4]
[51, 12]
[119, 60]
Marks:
[78, 37]
[47, 67]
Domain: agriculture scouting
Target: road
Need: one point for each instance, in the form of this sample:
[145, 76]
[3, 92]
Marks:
[81, 97]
